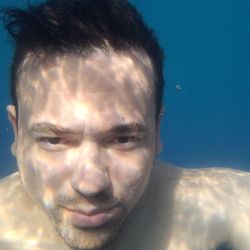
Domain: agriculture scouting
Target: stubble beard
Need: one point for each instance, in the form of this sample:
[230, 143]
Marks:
[98, 238]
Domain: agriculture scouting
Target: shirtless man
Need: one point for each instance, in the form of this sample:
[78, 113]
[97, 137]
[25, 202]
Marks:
[87, 88]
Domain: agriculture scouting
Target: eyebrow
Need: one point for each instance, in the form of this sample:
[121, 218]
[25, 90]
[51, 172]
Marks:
[47, 128]
[128, 128]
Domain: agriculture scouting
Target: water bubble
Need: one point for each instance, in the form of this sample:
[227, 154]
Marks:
[178, 87]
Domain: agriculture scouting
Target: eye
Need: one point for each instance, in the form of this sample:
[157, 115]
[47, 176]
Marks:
[125, 142]
[50, 140]
[52, 143]
[54, 140]
[125, 139]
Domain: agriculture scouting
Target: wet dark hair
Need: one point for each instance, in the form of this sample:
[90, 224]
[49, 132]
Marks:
[63, 26]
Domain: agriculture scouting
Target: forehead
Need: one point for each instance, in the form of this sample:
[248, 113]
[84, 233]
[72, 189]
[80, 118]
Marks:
[87, 84]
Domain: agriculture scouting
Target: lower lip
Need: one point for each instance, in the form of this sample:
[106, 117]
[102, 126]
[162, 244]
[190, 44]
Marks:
[85, 221]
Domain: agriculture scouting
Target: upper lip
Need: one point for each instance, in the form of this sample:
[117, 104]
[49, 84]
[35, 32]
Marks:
[90, 212]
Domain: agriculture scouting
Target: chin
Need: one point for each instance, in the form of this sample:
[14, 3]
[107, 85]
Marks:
[88, 238]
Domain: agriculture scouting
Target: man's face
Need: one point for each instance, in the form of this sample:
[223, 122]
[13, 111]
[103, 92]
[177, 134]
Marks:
[86, 140]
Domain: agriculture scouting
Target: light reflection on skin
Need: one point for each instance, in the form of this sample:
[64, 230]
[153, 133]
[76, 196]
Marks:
[87, 139]
[86, 103]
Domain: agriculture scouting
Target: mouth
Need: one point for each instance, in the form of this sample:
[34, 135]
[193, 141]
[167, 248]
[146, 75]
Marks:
[91, 219]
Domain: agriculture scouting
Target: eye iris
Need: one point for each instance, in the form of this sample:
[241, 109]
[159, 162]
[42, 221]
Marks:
[54, 141]
[123, 139]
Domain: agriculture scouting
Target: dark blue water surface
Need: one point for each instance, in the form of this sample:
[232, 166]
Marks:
[207, 71]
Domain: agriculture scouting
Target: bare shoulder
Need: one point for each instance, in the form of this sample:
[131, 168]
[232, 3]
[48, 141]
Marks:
[15, 206]
[211, 207]
[13, 195]
[223, 176]
[22, 222]
[10, 190]
[10, 179]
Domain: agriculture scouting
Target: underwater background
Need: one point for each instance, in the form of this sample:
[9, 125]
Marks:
[207, 82]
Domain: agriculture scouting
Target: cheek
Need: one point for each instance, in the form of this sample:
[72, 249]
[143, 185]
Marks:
[130, 174]
[41, 174]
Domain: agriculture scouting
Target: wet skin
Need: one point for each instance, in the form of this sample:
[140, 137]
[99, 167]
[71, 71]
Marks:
[180, 209]
[85, 144]
[86, 140]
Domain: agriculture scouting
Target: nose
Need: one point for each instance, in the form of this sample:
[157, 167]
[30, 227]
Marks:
[90, 177]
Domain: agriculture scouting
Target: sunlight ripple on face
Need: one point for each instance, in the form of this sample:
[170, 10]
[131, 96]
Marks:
[87, 140]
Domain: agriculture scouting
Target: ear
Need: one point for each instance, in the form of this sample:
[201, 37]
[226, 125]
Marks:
[159, 145]
[11, 110]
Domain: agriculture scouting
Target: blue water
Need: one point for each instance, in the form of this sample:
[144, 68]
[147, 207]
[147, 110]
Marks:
[207, 71]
